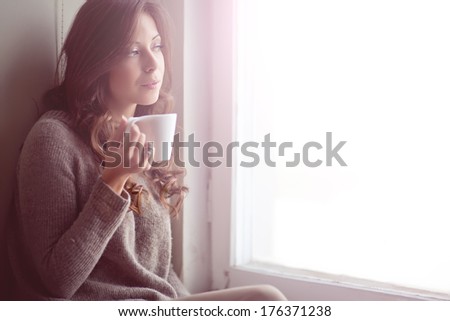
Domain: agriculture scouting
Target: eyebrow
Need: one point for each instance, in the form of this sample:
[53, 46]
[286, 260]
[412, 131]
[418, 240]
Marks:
[158, 35]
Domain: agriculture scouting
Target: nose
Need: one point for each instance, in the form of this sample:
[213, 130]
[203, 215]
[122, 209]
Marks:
[149, 62]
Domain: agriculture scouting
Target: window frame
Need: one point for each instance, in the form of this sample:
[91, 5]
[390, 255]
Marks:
[222, 201]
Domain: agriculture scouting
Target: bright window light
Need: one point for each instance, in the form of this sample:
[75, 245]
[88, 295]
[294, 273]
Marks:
[377, 76]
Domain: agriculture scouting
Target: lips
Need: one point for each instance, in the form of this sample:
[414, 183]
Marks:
[151, 84]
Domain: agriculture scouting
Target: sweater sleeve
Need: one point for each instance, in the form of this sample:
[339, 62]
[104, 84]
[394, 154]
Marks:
[177, 284]
[65, 242]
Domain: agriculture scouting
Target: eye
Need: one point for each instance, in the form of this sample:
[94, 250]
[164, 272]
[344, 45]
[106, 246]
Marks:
[133, 52]
[157, 47]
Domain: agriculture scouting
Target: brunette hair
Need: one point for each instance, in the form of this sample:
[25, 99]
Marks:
[96, 42]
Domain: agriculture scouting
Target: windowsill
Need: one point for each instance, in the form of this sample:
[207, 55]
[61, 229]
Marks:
[300, 284]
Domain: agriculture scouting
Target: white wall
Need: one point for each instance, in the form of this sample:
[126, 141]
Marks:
[192, 92]
[65, 13]
[196, 110]
[176, 11]
[27, 63]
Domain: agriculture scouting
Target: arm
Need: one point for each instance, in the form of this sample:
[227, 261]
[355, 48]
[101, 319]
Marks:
[177, 284]
[65, 243]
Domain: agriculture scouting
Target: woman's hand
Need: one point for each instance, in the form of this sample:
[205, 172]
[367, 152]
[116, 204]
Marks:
[133, 154]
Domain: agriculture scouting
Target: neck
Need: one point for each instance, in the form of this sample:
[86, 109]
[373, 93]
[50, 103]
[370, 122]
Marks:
[118, 112]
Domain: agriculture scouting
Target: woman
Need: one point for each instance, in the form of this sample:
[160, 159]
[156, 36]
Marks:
[87, 232]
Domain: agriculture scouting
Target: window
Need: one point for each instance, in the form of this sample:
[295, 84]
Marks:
[372, 75]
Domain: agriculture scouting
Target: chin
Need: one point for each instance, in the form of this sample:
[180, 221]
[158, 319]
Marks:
[149, 100]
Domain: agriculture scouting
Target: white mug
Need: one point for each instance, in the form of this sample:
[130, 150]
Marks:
[159, 129]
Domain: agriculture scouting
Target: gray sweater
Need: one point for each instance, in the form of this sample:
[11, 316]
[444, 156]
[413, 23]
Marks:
[72, 237]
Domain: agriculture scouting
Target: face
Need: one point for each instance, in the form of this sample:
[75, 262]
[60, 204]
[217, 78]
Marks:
[138, 77]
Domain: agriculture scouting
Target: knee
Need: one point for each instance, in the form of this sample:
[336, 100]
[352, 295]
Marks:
[267, 292]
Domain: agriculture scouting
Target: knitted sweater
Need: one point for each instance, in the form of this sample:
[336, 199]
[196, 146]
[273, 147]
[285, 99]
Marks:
[72, 237]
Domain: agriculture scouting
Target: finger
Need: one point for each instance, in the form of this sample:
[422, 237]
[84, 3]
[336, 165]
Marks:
[130, 147]
[134, 133]
[143, 156]
[129, 141]
[146, 157]
[138, 153]
[150, 154]
[120, 129]
[150, 151]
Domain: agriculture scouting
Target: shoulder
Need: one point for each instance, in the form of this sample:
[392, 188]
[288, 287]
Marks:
[52, 134]
[53, 123]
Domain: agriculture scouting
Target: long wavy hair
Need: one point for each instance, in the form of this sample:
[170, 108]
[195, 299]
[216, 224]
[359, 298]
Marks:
[97, 39]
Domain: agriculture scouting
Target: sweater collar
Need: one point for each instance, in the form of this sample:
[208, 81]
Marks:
[59, 115]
